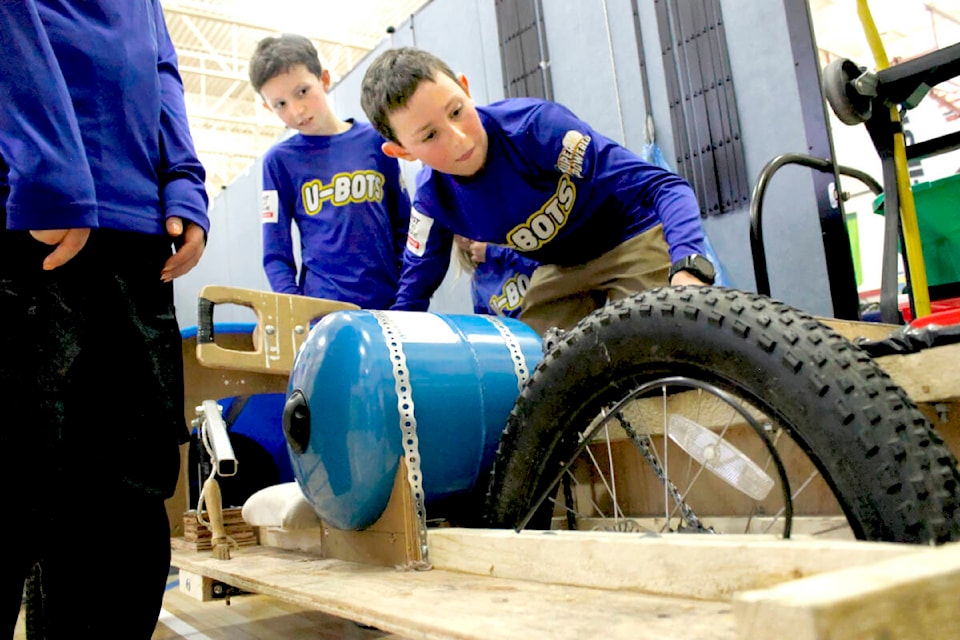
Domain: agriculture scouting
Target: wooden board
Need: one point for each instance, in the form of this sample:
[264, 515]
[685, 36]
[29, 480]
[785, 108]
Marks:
[853, 329]
[926, 376]
[283, 324]
[584, 585]
[929, 376]
[914, 597]
[246, 617]
[704, 567]
[394, 539]
[442, 604]
[196, 586]
[200, 537]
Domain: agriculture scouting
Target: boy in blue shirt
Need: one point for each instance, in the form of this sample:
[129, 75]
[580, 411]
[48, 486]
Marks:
[331, 180]
[530, 175]
[499, 276]
[103, 204]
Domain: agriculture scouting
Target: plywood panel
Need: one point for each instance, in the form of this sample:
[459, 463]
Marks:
[447, 604]
[914, 597]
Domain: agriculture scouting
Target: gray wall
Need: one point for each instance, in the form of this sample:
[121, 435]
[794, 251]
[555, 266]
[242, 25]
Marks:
[768, 99]
[595, 71]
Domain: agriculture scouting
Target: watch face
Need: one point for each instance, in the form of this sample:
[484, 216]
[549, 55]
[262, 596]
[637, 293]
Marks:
[705, 267]
[698, 266]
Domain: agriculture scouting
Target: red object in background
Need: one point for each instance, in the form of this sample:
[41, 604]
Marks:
[942, 312]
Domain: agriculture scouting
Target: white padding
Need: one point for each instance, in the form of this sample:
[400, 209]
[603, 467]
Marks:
[282, 505]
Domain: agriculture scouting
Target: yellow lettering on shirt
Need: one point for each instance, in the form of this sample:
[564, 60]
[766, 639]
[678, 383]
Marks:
[544, 224]
[343, 188]
[511, 295]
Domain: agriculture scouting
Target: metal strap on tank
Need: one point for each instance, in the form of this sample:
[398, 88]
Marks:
[408, 425]
[519, 361]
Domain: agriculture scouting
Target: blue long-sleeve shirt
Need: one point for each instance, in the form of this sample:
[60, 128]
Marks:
[499, 282]
[348, 202]
[552, 188]
[106, 72]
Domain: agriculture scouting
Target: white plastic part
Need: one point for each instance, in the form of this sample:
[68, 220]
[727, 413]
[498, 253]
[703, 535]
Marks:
[719, 457]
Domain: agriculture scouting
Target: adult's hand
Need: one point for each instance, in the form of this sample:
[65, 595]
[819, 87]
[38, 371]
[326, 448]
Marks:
[189, 252]
[68, 243]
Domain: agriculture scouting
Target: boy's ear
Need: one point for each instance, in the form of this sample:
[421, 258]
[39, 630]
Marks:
[394, 150]
[266, 106]
[465, 84]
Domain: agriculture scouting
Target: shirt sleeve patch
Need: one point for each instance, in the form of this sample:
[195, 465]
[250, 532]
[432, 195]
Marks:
[570, 160]
[418, 232]
[269, 204]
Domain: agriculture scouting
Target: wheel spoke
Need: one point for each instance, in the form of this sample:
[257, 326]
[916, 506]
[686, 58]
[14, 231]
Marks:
[603, 478]
[796, 493]
[691, 439]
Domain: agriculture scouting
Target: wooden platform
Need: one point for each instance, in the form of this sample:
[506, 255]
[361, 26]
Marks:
[247, 617]
[251, 617]
[499, 584]
[448, 604]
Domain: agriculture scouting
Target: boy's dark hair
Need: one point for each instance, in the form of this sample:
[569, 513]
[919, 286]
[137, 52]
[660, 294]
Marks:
[276, 55]
[392, 78]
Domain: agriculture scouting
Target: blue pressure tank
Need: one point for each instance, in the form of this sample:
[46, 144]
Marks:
[371, 386]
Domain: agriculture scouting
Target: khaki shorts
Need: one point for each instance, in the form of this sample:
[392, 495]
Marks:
[562, 296]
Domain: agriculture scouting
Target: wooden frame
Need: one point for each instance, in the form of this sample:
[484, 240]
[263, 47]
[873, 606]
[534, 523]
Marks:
[503, 584]
[500, 584]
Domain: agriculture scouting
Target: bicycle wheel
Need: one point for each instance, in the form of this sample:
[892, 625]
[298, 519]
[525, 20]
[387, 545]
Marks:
[716, 410]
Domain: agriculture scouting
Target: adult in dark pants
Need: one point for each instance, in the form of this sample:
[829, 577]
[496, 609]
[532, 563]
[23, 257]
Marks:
[103, 204]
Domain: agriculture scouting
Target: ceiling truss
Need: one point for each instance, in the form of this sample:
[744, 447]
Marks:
[214, 41]
[215, 38]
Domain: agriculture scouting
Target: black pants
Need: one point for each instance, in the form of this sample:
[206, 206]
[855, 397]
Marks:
[104, 563]
[91, 418]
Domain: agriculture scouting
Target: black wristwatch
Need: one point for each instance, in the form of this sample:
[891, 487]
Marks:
[697, 265]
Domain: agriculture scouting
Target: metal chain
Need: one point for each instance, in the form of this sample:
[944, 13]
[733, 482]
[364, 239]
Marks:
[408, 425]
[644, 444]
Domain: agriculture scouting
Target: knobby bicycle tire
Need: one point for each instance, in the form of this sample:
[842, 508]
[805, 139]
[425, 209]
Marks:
[891, 473]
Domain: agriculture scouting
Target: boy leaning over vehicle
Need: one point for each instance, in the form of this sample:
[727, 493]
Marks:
[529, 174]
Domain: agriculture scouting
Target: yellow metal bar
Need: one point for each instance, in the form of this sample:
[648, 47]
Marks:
[908, 211]
[872, 34]
[919, 286]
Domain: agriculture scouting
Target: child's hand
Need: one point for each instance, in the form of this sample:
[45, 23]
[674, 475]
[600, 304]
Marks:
[685, 277]
[69, 242]
[478, 252]
[190, 244]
